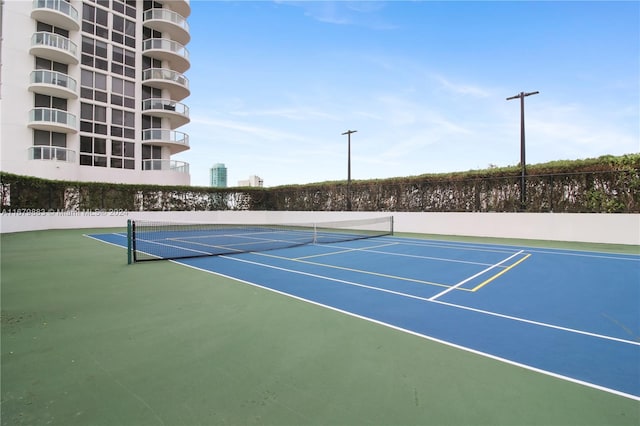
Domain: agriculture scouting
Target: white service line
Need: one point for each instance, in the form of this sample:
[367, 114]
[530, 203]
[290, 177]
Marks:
[442, 293]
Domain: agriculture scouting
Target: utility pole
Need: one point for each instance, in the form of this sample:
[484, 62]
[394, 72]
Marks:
[348, 133]
[523, 164]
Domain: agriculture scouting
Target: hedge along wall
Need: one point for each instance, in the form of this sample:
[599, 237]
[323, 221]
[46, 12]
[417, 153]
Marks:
[604, 185]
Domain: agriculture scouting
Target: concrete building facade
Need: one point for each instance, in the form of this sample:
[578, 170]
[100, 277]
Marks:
[93, 90]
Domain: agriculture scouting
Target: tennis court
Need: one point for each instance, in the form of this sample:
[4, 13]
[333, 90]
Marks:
[571, 314]
[386, 330]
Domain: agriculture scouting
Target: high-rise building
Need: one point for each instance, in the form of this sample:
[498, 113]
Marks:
[92, 90]
[218, 175]
[252, 181]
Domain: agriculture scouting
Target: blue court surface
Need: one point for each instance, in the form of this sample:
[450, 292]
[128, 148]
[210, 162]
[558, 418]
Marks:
[574, 315]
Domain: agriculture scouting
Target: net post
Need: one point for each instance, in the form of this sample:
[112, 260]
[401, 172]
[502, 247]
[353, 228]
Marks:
[129, 257]
[315, 233]
[391, 225]
[134, 250]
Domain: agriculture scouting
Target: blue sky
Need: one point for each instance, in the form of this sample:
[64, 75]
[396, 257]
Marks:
[275, 83]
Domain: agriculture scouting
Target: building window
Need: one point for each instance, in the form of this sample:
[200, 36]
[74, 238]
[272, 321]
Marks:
[151, 93]
[45, 144]
[45, 64]
[42, 27]
[123, 92]
[151, 157]
[149, 122]
[122, 155]
[93, 85]
[148, 33]
[93, 118]
[127, 7]
[123, 62]
[45, 101]
[147, 4]
[94, 53]
[95, 20]
[93, 151]
[148, 62]
[123, 31]
[122, 123]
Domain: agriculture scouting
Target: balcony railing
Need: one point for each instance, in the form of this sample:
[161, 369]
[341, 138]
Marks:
[165, 20]
[183, 7]
[56, 41]
[53, 153]
[56, 12]
[52, 115]
[61, 83]
[165, 74]
[166, 15]
[160, 47]
[167, 136]
[165, 105]
[166, 165]
[177, 113]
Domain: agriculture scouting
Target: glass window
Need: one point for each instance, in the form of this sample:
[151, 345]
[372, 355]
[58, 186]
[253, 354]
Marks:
[116, 117]
[101, 49]
[100, 114]
[86, 111]
[58, 139]
[86, 144]
[42, 101]
[100, 161]
[99, 146]
[43, 64]
[58, 103]
[86, 78]
[40, 137]
[129, 119]
[101, 81]
[102, 17]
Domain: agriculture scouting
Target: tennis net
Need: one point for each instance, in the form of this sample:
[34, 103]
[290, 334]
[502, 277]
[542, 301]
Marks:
[152, 240]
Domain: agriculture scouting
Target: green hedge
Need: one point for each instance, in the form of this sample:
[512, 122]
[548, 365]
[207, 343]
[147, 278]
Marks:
[606, 184]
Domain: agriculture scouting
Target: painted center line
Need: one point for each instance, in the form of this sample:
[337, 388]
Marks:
[442, 293]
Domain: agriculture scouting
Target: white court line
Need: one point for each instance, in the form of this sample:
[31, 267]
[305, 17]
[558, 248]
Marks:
[425, 336]
[411, 296]
[442, 293]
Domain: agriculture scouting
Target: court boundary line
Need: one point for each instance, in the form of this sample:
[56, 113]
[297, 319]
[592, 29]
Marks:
[411, 296]
[342, 268]
[414, 256]
[424, 336]
[634, 257]
[455, 287]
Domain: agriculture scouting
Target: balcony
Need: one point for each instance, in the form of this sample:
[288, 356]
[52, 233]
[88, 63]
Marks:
[182, 7]
[167, 50]
[176, 84]
[53, 83]
[53, 153]
[176, 112]
[166, 165]
[52, 120]
[175, 141]
[54, 47]
[168, 22]
[58, 13]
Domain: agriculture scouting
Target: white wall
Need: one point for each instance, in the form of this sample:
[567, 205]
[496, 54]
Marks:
[581, 227]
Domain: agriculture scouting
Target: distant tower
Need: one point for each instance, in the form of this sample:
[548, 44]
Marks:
[218, 175]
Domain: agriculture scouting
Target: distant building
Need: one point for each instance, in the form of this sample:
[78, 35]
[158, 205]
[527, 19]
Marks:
[252, 181]
[218, 176]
